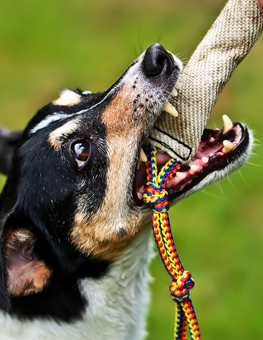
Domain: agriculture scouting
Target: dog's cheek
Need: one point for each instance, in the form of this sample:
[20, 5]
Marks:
[24, 273]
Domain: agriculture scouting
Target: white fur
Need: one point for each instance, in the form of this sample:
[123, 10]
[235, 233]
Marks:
[48, 120]
[68, 97]
[116, 304]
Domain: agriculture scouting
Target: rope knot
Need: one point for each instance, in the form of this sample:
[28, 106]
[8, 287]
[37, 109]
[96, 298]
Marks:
[180, 289]
[156, 197]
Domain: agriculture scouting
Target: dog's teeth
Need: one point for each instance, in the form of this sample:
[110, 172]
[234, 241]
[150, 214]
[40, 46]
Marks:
[227, 123]
[170, 109]
[194, 168]
[143, 157]
[228, 146]
[181, 175]
[174, 92]
[205, 160]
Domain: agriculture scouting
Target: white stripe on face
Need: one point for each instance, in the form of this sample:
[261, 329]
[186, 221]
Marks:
[59, 116]
[48, 120]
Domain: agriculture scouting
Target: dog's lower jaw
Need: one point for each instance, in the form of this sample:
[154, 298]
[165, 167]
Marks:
[116, 306]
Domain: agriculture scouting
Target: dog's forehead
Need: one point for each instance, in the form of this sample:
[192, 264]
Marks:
[69, 105]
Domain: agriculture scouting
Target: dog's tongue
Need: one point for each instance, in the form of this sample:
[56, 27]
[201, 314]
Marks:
[225, 45]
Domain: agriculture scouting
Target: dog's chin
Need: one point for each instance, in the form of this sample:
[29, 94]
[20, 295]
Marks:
[220, 152]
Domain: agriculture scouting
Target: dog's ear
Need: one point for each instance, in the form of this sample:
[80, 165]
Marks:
[8, 143]
[24, 273]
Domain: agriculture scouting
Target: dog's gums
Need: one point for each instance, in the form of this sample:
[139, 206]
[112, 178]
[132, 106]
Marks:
[216, 150]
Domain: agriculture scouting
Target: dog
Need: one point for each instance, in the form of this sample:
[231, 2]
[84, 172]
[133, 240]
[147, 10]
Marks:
[75, 235]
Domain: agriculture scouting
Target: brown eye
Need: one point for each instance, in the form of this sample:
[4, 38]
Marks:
[81, 152]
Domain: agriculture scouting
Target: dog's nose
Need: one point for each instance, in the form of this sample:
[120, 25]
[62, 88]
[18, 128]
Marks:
[157, 60]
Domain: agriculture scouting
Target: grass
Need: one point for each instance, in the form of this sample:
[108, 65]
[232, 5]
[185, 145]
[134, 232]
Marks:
[46, 46]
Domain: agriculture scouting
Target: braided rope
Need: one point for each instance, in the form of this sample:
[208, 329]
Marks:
[157, 197]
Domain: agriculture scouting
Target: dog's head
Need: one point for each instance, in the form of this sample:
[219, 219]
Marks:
[72, 201]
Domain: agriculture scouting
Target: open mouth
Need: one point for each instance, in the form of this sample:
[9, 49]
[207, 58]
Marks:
[218, 149]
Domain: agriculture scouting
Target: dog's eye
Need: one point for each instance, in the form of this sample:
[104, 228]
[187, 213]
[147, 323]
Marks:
[81, 152]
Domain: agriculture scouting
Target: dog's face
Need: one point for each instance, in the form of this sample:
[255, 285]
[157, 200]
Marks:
[72, 201]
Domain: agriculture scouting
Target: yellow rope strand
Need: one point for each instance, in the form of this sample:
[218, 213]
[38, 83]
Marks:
[157, 197]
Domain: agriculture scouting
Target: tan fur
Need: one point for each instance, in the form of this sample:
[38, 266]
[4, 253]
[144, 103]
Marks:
[31, 276]
[31, 280]
[14, 237]
[97, 239]
[68, 98]
[103, 236]
[57, 136]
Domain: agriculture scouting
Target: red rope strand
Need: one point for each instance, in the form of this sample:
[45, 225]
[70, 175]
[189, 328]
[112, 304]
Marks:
[156, 197]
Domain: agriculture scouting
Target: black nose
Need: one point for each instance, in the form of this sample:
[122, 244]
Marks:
[157, 60]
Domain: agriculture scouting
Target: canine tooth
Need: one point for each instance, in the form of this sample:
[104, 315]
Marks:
[143, 157]
[205, 160]
[227, 123]
[174, 92]
[170, 109]
[228, 146]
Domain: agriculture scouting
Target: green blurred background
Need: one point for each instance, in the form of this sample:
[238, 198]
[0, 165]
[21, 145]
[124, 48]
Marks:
[46, 46]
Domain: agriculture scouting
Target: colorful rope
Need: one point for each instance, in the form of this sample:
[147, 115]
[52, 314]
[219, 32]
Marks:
[157, 197]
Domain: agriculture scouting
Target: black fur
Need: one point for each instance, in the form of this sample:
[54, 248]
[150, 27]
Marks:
[8, 144]
[62, 298]
[47, 186]
[41, 195]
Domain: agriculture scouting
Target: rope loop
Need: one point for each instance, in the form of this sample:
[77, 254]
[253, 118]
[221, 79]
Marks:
[156, 197]
[180, 289]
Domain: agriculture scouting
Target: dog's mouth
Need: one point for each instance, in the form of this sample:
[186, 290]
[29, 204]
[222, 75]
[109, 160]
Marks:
[218, 149]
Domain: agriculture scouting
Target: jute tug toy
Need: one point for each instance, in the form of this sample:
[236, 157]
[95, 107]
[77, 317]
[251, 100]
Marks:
[225, 45]
[156, 197]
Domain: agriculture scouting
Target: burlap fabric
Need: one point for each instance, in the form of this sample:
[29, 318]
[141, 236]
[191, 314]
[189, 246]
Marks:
[225, 45]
